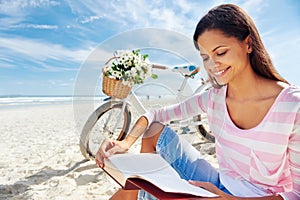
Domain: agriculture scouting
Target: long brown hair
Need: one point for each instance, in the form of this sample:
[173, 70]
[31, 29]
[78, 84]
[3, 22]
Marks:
[235, 22]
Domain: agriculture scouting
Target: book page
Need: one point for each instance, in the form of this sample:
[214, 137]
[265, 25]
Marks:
[153, 168]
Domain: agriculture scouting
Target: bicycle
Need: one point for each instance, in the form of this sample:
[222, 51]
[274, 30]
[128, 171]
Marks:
[113, 118]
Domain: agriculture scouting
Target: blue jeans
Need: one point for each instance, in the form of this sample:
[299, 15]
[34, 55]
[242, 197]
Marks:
[185, 159]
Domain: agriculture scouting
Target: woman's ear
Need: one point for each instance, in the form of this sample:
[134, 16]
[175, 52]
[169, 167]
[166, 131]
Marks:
[248, 41]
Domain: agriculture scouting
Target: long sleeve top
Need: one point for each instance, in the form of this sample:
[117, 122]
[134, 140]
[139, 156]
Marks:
[266, 156]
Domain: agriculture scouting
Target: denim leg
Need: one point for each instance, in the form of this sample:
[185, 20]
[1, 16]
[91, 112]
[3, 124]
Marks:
[145, 196]
[184, 158]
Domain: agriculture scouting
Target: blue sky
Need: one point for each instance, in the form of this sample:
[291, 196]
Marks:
[44, 43]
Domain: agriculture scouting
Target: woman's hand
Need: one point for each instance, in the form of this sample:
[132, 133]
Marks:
[212, 188]
[108, 148]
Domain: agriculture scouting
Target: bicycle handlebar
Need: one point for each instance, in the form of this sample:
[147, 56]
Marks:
[155, 66]
[187, 71]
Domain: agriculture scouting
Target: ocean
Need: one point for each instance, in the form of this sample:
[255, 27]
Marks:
[11, 101]
[14, 101]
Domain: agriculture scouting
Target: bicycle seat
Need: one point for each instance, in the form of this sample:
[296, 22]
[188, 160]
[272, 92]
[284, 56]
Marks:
[188, 70]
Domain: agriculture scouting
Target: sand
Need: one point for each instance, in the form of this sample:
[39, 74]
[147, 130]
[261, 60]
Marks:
[41, 159]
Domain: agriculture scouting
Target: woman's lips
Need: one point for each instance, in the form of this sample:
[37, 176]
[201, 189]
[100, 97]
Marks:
[221, 72]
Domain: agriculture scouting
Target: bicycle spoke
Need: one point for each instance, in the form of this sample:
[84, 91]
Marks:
[105, 127]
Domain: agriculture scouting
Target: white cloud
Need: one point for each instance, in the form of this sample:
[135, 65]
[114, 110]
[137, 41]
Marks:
[167, 18]
[15, 12]
[14, 7]
[36, 26]
[128, 15]
[283, 48]
[185, 6]
[154, 39]
[39, 51]
[90, 19]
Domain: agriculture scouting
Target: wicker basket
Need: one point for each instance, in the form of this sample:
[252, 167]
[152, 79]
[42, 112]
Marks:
[114, 88]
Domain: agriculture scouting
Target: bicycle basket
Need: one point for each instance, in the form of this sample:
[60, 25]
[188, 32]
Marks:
[114, 88]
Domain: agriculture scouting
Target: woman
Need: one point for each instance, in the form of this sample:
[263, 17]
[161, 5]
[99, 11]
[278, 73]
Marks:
[253, 112]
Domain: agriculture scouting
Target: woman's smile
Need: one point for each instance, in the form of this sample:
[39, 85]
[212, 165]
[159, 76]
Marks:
[220, 73]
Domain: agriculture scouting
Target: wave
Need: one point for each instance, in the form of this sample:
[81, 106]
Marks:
[31, 100]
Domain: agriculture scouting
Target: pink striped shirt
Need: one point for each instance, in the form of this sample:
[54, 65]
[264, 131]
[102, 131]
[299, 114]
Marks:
[268, 155]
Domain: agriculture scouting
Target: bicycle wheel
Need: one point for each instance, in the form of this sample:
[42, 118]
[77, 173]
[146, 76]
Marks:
[100, 125]
[203, 128]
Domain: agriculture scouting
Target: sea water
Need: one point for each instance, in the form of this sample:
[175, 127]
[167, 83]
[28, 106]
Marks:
[20, 101]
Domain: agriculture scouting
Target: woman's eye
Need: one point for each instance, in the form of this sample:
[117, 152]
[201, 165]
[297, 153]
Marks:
[221, 53]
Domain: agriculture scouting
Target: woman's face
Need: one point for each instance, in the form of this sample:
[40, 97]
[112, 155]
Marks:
[225, 58]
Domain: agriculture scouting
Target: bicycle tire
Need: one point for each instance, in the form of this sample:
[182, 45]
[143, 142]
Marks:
[91, 133]
[204, 130]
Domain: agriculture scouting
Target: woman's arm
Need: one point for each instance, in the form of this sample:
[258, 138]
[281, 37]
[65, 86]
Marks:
[110, 147]
[294, 159]
[138, 129]
[190, 107]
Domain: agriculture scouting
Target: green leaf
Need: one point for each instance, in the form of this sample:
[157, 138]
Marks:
[154, 76]
[107, 74]
[145, 56]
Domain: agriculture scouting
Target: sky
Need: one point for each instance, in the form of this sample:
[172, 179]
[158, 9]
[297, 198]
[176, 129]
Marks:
[45, 45]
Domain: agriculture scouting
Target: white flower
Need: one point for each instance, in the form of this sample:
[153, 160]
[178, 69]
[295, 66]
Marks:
[133, 72]
[126, 83]
[117, 74]
[127, 64]
[130, 66]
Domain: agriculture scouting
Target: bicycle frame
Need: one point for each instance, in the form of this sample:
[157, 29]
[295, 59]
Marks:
[134, 101]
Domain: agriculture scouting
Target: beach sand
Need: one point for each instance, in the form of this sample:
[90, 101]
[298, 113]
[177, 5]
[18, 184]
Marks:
[41, 159]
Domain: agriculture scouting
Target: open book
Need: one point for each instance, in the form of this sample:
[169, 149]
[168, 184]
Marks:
[150, 172]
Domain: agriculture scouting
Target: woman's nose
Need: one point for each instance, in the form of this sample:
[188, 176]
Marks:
[211, 64]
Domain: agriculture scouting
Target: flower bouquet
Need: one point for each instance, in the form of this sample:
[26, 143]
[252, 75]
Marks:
[128, 68]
